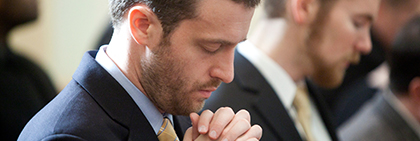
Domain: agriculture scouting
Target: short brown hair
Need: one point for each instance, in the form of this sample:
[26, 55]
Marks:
[277, 8]
[396, 2]
[169, 12]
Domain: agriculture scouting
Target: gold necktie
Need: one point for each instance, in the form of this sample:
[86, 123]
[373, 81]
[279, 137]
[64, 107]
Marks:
[167, 132]
[303, 109]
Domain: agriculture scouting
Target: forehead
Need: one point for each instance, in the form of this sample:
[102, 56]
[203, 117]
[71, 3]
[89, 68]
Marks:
[361, 7]
[220, 19]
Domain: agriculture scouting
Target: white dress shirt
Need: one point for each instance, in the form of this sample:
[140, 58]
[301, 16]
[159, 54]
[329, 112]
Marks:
[284, 86]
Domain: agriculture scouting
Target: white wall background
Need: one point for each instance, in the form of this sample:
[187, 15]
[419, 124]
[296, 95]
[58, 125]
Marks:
[64, 31]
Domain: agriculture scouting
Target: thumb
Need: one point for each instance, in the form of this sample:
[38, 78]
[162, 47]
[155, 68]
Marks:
[187, 135]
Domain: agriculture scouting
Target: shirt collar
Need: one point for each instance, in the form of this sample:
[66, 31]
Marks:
[149, 110]
[276, 76]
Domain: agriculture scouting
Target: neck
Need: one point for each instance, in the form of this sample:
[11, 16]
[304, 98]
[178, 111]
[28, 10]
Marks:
[283, 42]
[127, 54]
[122, 50]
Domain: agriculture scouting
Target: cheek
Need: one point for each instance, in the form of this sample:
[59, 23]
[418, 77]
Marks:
[339, 41]
[192, 67]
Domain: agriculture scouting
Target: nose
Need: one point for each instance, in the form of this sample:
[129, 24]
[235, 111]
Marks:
[364, 44]
[223, 66]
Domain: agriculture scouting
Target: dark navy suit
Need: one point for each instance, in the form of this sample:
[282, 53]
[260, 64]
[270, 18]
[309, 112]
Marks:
[93, 106]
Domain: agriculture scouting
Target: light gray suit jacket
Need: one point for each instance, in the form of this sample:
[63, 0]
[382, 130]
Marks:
[377, 121]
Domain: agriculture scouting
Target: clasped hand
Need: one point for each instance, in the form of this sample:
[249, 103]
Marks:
[223, 125]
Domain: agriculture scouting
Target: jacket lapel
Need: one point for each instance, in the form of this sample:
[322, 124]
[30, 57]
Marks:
[181, 124]
[110, 95]
[268, 105]
[323, 110]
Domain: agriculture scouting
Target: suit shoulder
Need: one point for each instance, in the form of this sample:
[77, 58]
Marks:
[368, 124]
[73, 112]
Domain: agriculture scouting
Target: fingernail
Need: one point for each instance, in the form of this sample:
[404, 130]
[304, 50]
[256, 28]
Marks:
[213, 134]
[202, 129]
[225, 139]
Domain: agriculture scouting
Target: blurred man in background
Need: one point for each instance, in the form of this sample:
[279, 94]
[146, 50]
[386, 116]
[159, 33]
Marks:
[300, 39]
[394, 114]
[24, 87]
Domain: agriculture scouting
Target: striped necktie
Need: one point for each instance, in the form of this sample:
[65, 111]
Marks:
[167, 132]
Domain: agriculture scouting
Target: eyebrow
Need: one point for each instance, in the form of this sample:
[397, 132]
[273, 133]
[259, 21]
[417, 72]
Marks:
[221, 41]
[366, 16]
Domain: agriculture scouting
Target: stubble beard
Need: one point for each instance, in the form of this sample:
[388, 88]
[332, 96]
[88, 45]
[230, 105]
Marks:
[324, 75]
[166, 85]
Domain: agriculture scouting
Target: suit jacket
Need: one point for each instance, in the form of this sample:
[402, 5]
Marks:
[93, 106]
[249, 90]
[377, 121]
[24, 88]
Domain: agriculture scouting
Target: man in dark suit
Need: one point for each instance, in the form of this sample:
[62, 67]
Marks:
[24, 87]
[393, 115]
[300, 39]
[163, 61]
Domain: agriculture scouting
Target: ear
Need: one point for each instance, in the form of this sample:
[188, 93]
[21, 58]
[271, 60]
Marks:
[304, 11]
[414, 89]
[144, 25]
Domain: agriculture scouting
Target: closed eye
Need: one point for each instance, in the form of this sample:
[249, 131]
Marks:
[361, 21]
[211, 47]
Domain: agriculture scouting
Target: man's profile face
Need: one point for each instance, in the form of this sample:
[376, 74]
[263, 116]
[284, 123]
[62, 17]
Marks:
[181, 75]
[344, 37]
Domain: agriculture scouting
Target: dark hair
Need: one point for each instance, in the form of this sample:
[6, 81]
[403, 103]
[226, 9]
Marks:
[404, 56]
[277, 8]
[169, 12]
[396, 3]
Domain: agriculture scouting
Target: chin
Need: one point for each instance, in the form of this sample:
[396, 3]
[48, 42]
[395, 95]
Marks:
[198, 107]
[328, 80]
[328, 84]
[195, 107]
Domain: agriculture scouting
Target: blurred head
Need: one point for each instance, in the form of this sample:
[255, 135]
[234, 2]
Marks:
[340, 39]
[15, 12]
[404, 57]
[404, 62]
[332, 34]
[392, 16]
[337, 36]
[188, 44]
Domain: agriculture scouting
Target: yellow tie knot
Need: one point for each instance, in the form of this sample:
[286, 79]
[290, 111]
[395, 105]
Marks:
[167, 132]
